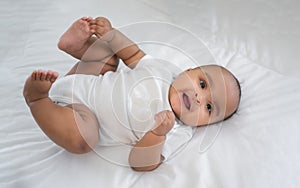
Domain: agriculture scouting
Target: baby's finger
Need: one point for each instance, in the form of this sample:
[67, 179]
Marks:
[159, 117]
[93, 27]
[171, 115]
[100, 22]
[97, 30]
[93, 22]
[167, 114]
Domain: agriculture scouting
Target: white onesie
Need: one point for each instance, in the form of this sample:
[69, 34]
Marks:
[125, 102]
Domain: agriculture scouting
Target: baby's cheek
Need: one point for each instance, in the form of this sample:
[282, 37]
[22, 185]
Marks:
[175, 103]
[193, 118]
[202, 117]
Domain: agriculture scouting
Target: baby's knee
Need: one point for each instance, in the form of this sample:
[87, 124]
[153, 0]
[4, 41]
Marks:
[79, 146]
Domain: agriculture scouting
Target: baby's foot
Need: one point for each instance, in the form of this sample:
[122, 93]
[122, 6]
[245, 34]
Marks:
[75, 38]
[38, 85]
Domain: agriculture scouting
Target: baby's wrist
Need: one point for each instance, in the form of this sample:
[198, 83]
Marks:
[157, 134]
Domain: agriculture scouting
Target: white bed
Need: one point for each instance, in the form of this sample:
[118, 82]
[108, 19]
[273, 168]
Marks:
[259, 41]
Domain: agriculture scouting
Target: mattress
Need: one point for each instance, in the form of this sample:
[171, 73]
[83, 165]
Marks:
[259, 41]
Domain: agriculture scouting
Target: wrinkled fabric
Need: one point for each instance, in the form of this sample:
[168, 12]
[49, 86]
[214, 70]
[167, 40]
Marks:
[257, 40]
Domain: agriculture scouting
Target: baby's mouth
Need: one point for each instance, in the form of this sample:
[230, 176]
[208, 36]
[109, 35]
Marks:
[186, 101]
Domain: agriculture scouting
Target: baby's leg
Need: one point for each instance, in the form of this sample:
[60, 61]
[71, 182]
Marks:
[73, 127]
[95, 68]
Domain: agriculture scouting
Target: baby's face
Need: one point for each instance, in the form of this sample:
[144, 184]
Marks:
[204, 95]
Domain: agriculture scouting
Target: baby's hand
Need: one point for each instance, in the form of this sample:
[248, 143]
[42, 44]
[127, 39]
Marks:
[101, 27]
[164, 122]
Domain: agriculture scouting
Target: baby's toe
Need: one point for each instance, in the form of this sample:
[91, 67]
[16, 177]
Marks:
[54, 76]
[38, 75]
[34, 75]
[48, 75]
[43, 75]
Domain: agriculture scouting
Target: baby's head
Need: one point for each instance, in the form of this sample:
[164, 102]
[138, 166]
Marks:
[204, 95]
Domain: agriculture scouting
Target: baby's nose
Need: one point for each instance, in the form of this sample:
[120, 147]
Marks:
[200, 98]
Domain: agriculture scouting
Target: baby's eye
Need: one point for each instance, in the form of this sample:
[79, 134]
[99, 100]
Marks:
[202, 84]
[209, 108]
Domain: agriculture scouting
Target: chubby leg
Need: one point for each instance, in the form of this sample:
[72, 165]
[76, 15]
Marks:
[95, 68]
[73, 127]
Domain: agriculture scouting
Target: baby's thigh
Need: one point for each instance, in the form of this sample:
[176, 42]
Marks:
[87, 123]
[96, 68]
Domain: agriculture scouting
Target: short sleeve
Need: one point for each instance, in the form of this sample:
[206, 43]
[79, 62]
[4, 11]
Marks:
[177, 139]
[145, 61]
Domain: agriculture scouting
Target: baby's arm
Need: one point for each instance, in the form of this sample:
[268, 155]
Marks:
[122, 46]
[146, 154]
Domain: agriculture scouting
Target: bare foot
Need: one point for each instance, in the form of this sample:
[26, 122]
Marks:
[76, 37]
[38, 85]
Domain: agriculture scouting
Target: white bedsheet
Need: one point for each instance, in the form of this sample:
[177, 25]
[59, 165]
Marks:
[259, 41]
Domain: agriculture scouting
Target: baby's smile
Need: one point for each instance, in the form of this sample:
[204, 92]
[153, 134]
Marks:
[186, 101]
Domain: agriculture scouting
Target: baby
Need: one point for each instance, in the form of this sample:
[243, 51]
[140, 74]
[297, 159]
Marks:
[145, 102]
